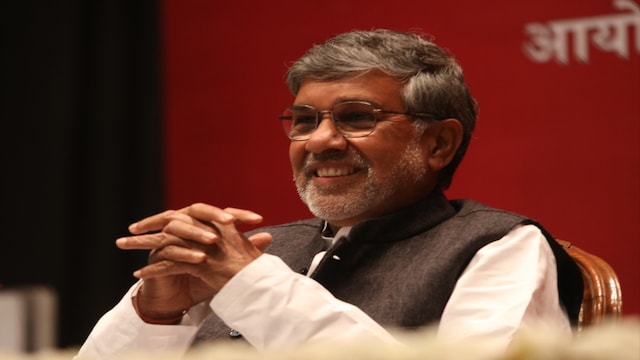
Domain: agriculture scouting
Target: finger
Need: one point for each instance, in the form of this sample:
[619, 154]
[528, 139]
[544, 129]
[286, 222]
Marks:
[190, 231]
[152, 223]
[166, 268]
[209, 214]
[163, 268]
[261, 240]
[178, 254]
[151, 241]
[244, 216]
[141, 242]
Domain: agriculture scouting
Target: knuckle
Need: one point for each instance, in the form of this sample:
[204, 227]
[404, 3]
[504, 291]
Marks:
[171, 224]
[164, 265]
[163, 240]
[196, 206]
[153, 256]
[167, 215]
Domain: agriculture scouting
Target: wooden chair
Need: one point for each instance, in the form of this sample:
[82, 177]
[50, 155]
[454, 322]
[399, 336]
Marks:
[602, 297]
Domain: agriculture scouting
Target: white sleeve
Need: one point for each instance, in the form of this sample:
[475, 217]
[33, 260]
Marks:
[120, 332]
[510, 284]
[273, 306]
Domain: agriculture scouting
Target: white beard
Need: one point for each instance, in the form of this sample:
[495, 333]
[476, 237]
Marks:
[340, 202]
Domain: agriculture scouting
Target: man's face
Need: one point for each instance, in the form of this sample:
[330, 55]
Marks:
[347, 180]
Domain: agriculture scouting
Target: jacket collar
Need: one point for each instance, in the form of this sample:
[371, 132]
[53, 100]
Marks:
[406, 222]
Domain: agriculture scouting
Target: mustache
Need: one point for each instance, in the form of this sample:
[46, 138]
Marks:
[325, 156]
[355, 159]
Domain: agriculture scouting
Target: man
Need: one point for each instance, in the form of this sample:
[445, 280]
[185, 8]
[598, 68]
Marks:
[380, 121]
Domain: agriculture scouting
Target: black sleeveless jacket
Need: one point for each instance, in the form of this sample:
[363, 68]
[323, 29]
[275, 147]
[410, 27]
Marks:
[401, 268]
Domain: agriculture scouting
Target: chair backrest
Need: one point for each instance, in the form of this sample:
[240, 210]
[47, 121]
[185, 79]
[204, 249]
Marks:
[602, 297]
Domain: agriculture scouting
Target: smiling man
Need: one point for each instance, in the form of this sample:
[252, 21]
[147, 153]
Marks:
[345, 174]
[380, 121]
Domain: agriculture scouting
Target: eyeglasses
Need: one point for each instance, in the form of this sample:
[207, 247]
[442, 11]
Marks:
[352, 119]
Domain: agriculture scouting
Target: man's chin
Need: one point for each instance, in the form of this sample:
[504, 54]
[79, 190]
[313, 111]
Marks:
[335, 208]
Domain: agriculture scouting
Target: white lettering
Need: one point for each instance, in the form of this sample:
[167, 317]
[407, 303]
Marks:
[609, 33]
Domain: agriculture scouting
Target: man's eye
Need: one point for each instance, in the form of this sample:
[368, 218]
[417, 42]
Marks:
[356, 118]
[304, 120]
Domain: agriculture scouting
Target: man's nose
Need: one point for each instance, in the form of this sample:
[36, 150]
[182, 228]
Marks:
[326, 135]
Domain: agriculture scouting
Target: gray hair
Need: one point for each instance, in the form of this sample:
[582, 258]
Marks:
[434, 82]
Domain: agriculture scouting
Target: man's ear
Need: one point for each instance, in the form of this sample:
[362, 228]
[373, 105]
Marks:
[444, 140]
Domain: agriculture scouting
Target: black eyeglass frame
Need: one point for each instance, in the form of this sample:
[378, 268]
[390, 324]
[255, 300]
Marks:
[320, 115]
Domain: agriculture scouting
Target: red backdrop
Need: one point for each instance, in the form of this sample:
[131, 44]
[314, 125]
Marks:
[557, 137]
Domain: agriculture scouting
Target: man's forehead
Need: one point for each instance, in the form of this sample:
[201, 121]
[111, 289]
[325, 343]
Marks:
[377, 88]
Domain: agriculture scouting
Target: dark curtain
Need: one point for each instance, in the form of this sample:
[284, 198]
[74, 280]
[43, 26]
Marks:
[81, 148]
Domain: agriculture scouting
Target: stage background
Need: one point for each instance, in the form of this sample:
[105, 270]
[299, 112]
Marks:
[557, 142]
[81, 156]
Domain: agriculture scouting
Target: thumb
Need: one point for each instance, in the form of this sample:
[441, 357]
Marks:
[261, 240]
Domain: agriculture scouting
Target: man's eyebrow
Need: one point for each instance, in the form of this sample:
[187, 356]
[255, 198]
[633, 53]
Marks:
[363, 99]
[344, 99]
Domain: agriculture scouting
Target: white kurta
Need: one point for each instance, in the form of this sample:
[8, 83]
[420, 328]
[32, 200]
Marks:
[509, 284]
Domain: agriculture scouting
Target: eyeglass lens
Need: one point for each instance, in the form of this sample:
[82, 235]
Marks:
[352, 119]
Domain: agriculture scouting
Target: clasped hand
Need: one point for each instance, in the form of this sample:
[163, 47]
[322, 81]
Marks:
[194, 251]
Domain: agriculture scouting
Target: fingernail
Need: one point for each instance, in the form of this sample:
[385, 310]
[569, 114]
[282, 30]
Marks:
[121, 242]
[256, 216]
[133, 226]
[137, 274]
[200, 256]
[208, 235]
